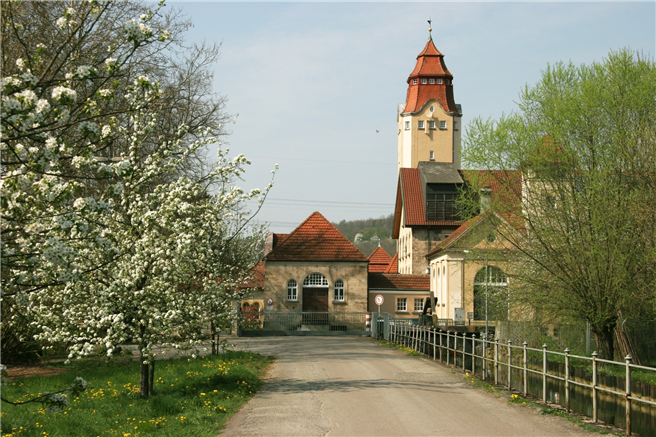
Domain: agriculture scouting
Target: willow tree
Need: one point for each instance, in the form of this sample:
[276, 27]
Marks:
[583, 216]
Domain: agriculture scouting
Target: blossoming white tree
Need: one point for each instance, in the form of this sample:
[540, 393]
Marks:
[104, 239]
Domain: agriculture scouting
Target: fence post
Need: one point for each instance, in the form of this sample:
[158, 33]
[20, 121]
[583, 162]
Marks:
[509, 364]
[440, 345]
[448, 346]
[496, 361]
[525, 368]
[594, 386]
[464, 350]
[628, 394]
[544, 373]
[484, 355]
[567, 379]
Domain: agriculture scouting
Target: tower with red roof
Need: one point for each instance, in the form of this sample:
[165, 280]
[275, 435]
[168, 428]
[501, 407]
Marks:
[429, 120]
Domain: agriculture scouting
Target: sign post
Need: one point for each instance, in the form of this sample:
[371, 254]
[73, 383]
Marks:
[379, 301]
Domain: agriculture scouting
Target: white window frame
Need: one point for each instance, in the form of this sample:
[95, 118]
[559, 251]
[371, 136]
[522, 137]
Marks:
[431, 81]
[407, 125]
[339, 291]
[443, 124]
[431, 124]
[432, 155]
[292, 290]
[424, 81]
[414, 81]
[439, 81]
[419, 305]
[315, 280]
[402, 304]
[420, 124]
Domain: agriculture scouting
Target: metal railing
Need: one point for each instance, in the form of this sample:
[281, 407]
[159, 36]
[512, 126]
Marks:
[487, 359]
[288, 321]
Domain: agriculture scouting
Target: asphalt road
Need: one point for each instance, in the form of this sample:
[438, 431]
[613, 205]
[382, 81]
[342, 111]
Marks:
[351, 386]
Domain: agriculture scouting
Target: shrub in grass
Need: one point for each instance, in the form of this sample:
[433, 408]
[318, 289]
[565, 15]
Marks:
[192, 397]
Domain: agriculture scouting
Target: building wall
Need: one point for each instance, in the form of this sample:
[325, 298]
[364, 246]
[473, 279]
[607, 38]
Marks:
[390, 303]
[354, 275]
[416, 144]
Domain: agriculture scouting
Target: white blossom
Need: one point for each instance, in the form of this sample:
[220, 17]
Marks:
[62, 22]
[20, 63]
[89, 127]
[63, 93]
[42, 105]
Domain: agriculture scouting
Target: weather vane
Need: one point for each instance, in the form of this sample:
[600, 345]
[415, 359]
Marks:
[430, 25]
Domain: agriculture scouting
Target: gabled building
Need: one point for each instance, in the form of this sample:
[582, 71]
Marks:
[314, 268]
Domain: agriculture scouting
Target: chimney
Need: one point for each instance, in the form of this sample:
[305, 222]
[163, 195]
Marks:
[268, 245]
[485, 199]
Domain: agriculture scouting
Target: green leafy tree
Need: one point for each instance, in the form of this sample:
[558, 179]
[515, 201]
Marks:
[583, 215]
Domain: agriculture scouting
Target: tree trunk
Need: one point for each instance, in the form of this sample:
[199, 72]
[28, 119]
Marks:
[144, 385]
[212, 337]
[152, 377]
[604, 337]
[625, 344]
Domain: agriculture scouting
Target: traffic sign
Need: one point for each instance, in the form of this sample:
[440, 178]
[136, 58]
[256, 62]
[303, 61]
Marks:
[379, 299]
[269, 301]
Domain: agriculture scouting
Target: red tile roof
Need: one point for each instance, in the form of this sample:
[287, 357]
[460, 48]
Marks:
[379, 260]
[506, 186]
[316, 239]
[395, 281]
[279, 238]
[410, 196]
[257, 277]
[393, 266]
[430, 63]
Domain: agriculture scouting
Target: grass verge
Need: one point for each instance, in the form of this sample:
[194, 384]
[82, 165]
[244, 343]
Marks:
[193, 397]
[407, 350]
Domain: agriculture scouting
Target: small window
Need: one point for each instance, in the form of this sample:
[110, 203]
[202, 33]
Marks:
[423, 81]
[292, 290]
[442, 124]
[431, 124]
[432, 155]
[439, 81]
[419, 305]
[402, 304]
[407, 125]
[432, 109]
[315, 280]
[431, 81]
[339, 290]
[420, 125]
[455, 125]
[414, 81]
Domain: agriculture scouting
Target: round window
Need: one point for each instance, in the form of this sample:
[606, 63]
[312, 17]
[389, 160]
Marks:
[491, 238]
[431, 109]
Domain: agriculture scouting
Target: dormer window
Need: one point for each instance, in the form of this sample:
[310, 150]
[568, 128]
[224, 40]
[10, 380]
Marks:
[439, 81]
[431, 81]
[423, 81]
[414, 81]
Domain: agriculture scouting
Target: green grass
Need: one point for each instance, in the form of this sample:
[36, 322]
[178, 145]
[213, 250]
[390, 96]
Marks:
[193, 397]
[407, 350]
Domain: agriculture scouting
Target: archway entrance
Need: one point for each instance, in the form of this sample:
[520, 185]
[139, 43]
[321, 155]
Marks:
[315, 293]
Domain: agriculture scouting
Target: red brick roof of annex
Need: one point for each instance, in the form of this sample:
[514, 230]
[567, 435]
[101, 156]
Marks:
[430, 63]
[393, 266]
[316, 239]
[455, 235]
[379, 260]
[397, 281]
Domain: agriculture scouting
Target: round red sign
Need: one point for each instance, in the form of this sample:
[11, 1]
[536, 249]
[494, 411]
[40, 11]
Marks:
[269, 301]
[379, 299]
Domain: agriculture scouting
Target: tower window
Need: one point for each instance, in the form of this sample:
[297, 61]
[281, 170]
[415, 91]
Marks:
[432, 155]
[439, 81]
[407, 125]
[423, 81]
[442, 124]
[432, 109]
[431, 81]
[431, 124]
[455, 125]
[421, 124]
[414, 81]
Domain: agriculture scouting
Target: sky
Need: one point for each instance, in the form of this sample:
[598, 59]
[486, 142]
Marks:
[314, 87]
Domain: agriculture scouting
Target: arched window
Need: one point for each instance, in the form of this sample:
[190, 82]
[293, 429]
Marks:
[315, 280]
[491, 292]
[339, 290]
[292, 290]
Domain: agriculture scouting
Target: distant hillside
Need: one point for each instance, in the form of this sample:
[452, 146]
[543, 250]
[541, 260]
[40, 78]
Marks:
[365, 234]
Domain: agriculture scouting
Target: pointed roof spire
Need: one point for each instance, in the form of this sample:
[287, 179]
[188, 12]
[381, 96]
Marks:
[430, 29]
